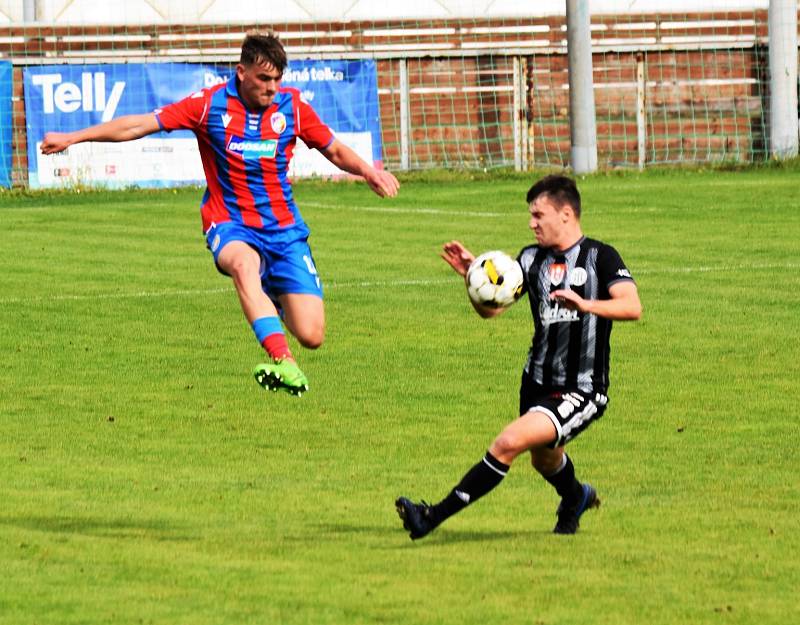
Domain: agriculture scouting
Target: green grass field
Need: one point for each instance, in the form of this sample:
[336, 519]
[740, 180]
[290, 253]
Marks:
[146, 478]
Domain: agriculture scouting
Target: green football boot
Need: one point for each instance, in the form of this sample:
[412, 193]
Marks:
[282, 375]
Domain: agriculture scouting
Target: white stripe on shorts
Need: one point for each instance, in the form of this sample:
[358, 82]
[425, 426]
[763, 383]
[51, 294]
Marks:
[585, 415]
[552, 417]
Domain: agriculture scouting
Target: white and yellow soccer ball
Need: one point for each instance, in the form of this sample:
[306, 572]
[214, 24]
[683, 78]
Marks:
[494, 280]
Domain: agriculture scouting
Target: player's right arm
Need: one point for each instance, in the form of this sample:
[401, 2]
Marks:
[125, 128]
[460, 258]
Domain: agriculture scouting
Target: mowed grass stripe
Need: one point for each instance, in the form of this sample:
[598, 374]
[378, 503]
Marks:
[392, 284]
[148, 479]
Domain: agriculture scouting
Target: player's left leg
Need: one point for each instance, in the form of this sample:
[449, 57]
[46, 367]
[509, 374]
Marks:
[304, 316]
[555, 466]
[290, 278]
[571, 413]
[241, 262]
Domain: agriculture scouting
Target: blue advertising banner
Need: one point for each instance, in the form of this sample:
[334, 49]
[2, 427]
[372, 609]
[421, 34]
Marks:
[5, 122]
[345, 96]
[65, 97]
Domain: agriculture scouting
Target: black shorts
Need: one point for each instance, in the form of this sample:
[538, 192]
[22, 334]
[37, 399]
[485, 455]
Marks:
[571, 411]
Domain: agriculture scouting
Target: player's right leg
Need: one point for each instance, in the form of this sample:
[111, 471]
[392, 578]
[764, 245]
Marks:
[529, 431]
[243, 264]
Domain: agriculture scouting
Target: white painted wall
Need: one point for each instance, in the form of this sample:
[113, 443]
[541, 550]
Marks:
[278, 11]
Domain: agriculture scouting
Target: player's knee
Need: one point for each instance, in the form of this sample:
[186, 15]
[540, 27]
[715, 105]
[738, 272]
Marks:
[546, 462]
[311, 337]
[241, 269]
[506, 445]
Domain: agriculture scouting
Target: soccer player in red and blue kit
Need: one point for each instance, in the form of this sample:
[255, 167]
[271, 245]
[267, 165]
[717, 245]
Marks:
[246, 130]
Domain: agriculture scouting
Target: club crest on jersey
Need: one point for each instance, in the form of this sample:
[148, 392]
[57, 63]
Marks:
[557, 272]
[266, 148]
[577, 277]
[278, 122]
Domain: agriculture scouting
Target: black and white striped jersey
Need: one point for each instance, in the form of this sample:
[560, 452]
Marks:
[570, 350]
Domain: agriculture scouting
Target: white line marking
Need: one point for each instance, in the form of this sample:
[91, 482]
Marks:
[372, 284]
[719, 269]
[407, 211]
[192, 293]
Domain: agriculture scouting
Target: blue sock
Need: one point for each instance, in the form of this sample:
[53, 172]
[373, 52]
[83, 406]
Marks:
[269, 332]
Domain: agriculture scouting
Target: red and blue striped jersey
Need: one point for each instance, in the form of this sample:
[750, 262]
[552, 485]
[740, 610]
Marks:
[246, 155]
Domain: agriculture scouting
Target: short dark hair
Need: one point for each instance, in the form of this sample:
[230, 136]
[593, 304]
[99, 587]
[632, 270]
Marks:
[560, 189]
[263, 48]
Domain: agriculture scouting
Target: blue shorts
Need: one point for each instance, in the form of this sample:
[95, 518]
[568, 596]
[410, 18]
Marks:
[285, 267]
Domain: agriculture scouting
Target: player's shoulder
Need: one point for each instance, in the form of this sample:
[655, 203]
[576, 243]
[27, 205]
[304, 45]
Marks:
[291, 93]
[201, 96]
[610, 261]
[207, 92]
[527, 255]
[601, 246]
[590, 242]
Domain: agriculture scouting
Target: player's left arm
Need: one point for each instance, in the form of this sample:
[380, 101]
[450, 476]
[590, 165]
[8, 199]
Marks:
[623, 305]
[380, 181]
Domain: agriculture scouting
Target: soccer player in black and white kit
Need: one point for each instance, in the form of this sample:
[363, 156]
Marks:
[577, 286]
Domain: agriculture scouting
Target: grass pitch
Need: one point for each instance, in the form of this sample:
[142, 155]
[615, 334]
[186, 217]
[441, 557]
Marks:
[146, 478]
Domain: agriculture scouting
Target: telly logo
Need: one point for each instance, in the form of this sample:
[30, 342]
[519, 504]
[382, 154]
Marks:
[89, 96]
[253, 149]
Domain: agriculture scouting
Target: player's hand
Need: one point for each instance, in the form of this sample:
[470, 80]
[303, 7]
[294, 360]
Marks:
[383, 183]
[457, 256]
[570, 299]
[55, 142]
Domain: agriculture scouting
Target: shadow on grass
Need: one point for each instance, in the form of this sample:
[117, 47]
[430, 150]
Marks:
[109, 528]
[444, 538]
[439, 538]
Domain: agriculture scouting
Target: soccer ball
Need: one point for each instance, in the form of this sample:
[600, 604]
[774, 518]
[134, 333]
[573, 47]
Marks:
[494, 279]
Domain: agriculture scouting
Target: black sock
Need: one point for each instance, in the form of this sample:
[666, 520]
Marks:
[478, 481]
[563, 480]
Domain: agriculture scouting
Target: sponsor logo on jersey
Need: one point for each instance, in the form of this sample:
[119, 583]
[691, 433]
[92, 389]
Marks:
[278, 122]
[556, 314]
[266, 148]
[577, 277]
[557, 272]
[624, 273]
[226, 119]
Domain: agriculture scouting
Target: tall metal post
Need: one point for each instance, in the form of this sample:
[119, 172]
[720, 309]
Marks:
[516, 109]
[583, 128]
[783, 131]
[405, 117]
[641, 110]
[30, 11]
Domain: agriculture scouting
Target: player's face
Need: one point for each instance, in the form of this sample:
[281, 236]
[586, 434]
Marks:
[258, 84]
[547, 221]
